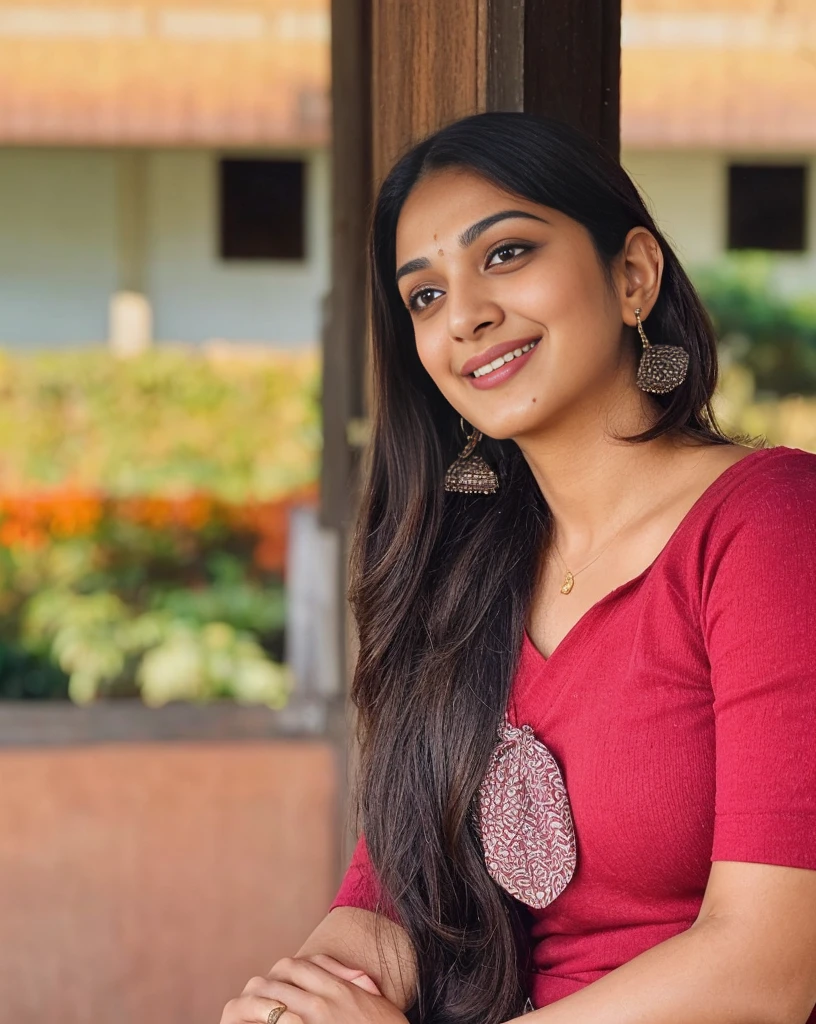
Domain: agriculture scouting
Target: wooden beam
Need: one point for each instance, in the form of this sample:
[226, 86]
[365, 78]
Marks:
[571, 64]
[503, 72]
[428, 69]
[344, 341]
[436, 60]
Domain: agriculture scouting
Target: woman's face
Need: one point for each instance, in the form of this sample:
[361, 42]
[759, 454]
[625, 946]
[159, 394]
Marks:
[484, 275]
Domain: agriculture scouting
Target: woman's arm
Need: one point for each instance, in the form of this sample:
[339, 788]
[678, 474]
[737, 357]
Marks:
[750, 958]
[370, 942]
[355, 966]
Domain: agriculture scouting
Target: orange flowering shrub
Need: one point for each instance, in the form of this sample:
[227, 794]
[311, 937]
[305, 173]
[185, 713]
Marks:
[31, 521]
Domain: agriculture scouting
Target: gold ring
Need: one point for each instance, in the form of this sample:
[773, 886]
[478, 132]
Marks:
[276, 1013]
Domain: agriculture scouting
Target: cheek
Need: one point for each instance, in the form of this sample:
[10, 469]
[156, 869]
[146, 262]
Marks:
[570, 302]
[560, 291]
[434, 354]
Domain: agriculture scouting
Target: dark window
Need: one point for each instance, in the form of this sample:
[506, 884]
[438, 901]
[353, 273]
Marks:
[262, 209]
[766, 207]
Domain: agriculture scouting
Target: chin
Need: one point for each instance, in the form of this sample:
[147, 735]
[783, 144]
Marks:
[513, 430]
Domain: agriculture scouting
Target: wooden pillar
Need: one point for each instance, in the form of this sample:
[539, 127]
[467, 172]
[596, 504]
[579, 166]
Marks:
[344, 336]
[428, 68]
[345, 316]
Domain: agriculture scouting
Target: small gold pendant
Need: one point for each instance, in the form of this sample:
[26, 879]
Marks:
[569, 580]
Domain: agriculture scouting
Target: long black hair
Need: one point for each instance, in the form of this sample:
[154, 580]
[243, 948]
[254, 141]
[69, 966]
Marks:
[440, 582]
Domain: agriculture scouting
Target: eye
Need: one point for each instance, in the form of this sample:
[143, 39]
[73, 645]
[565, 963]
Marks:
[507, 253]
[421, 299]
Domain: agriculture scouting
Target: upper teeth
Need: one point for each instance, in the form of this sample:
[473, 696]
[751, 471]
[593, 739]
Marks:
[506, 358]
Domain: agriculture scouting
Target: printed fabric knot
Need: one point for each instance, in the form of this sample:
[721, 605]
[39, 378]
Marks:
[525, 819]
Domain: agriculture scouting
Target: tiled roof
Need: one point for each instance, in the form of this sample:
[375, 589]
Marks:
[739, 74]
[721, 73]
[245, 72]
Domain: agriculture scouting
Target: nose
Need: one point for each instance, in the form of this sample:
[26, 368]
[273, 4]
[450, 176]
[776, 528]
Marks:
[471, 310]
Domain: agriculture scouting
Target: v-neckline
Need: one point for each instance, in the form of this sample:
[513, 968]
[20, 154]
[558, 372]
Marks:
[580, 624]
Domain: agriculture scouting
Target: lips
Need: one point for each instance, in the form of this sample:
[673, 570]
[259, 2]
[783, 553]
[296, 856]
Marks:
[495, 352]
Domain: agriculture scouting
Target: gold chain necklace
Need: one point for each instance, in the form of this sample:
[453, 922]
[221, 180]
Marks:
[569, 577]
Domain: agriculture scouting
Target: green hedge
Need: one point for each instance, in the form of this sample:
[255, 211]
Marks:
[169, 422]
[772, 335]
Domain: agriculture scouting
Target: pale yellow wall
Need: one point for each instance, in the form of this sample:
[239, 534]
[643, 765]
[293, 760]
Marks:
[686, 191]
[58, 245]
[195, 294]
[78, 225]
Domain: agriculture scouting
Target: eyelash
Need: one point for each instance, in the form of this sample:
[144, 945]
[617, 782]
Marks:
[412, 306]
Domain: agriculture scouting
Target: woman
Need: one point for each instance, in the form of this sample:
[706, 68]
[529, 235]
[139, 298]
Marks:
[587, 644]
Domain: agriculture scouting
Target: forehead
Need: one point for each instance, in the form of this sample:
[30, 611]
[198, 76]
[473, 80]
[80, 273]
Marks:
[443, 204]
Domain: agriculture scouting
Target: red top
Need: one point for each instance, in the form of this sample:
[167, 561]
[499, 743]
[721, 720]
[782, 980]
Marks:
[681, 709]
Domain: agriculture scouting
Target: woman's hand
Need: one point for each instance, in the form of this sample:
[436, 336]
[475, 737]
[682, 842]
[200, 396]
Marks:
[317, 990]
[339, 970]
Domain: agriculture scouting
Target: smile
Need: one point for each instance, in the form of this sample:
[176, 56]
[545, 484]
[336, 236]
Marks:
[508, 357]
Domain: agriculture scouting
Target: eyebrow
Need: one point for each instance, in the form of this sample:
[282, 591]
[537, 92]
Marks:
[469, 236]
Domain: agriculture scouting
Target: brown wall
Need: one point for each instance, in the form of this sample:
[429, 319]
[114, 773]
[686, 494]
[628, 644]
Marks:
[146, 883]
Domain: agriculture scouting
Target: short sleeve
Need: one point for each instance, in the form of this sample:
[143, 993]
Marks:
[360, 886]
[759, 623]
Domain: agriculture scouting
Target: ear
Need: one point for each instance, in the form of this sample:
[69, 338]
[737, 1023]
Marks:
[641, 271]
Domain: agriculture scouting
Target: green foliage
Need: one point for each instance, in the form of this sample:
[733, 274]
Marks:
[213, 661]
[773, 336]
[26, 676]
[231, 598]
[142, 522]
[109, 649]
[171, 421]
[108, 615]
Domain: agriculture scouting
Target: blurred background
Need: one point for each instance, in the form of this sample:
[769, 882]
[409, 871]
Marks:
[172, 666]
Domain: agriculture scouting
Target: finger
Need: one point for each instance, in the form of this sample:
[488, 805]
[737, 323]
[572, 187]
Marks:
[299, 1002]
[367, 985]
[260, 1009]
[354, 975]
[252, 1009]
[308, 976]
[335, 967]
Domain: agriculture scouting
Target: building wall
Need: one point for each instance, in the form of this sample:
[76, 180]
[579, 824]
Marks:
[686, 194]
[64, 251]
[57, 245]
[686, 191]
[195, 294]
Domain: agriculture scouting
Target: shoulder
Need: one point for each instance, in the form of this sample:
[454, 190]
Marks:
[766, 491]
[762, 526]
